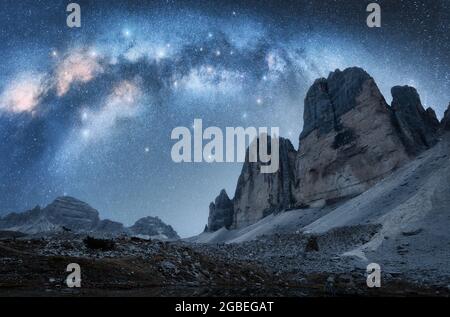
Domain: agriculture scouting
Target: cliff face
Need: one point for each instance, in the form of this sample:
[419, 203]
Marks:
[418, 127]
[351, 139]
[260, 194]
[257, 194]
[220, 212]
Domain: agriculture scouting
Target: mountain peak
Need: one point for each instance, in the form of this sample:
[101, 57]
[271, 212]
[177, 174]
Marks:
[153, 227]
[351, 139]
[328, 99]
[418, 126]
[79, 217]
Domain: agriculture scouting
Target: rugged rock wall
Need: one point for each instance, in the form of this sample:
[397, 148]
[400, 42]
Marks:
[418, 127]
[350, 140]
[257, 194]
[260, 194]
[220, 212]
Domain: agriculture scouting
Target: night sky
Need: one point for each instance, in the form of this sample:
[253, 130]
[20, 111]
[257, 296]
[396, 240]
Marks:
[88, 112]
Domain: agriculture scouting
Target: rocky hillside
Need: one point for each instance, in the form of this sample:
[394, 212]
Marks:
[70, 214]
[351, 139]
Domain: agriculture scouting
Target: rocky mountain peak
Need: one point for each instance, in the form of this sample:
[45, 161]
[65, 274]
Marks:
[257, 194]
[348, 126]
[328, 99]
[72, 213]
[351, 139]
[222, 198]
[220, 212]
[153, 227]
[418, 126]
[68, 213]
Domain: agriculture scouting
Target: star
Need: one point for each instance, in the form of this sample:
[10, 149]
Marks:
[161, 54]
[85, 133]
[126, 33]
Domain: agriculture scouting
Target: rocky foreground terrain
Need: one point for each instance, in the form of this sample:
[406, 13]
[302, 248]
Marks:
[277, 265]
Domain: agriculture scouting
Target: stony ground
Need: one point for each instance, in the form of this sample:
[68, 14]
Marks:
[277, 265]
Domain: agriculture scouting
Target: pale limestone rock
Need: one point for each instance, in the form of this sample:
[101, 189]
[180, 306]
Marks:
[260, 194]
[352, 153]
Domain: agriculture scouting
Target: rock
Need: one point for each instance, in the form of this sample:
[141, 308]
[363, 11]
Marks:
[445, 123]
[412, 233]
[67, 212]
[312, 244]
[98, 244]
[328, 99]
[154, 228]
[260, 194]
[168, 266]
[220, 212]
[257, 194]
[70, 215]
[349, 141]
[418, 126]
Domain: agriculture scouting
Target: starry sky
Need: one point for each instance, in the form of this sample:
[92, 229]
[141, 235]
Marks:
[88, 111]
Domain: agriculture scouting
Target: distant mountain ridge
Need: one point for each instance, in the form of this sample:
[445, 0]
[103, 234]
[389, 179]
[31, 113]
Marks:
[70, 214]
